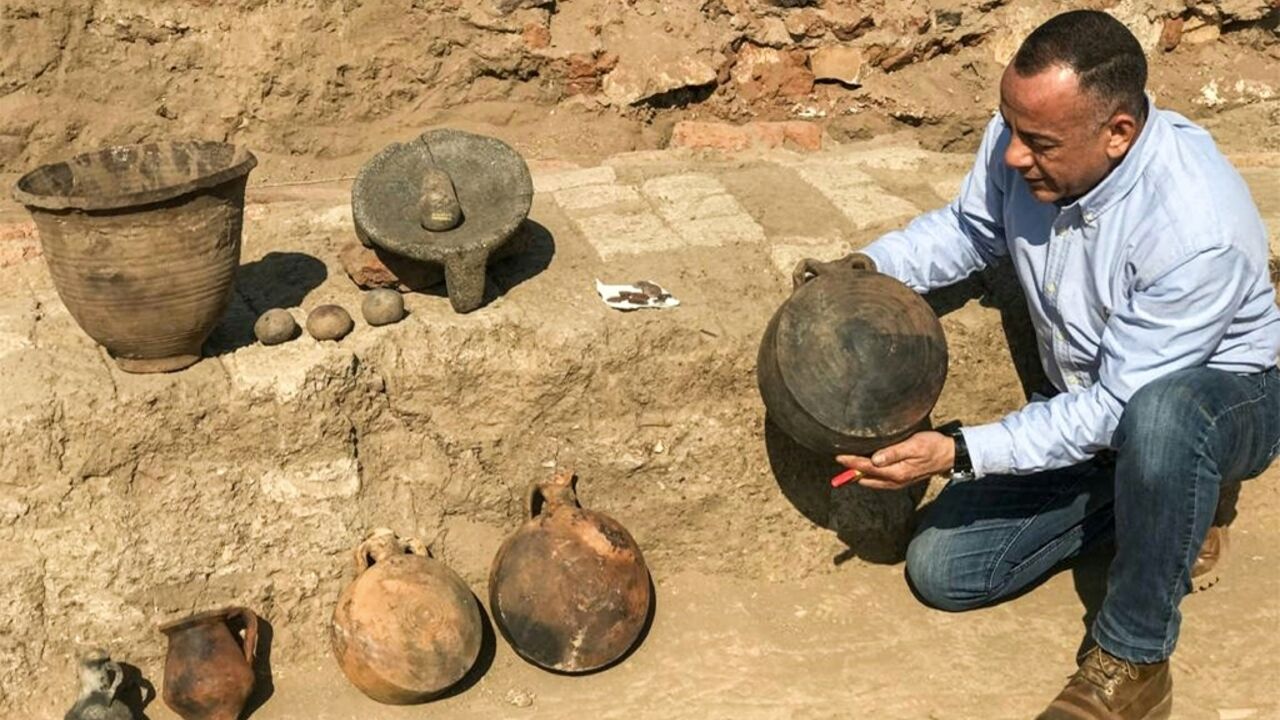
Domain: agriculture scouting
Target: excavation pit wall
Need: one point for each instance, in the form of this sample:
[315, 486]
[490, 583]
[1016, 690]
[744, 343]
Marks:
[247, 479]
[321, 81]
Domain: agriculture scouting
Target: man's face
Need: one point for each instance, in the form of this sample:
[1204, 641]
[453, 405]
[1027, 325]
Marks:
[1063, 141]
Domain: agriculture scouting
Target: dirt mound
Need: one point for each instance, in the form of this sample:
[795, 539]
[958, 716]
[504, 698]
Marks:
[330, 81]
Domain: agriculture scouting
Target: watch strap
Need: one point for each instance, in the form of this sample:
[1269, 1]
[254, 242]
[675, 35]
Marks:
[962, 467]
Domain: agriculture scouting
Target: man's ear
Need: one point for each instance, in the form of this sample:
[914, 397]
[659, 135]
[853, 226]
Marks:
[1122, 130]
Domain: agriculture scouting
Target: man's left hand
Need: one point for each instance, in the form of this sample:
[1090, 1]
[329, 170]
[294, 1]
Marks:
[910, 461]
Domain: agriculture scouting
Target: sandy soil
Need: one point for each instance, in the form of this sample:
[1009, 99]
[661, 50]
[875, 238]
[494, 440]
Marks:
[248, 477]
[777, 598]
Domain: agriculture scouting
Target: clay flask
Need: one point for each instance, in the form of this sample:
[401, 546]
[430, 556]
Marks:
[208, 675]
[100, 678]
[569, 590]
[407, 628]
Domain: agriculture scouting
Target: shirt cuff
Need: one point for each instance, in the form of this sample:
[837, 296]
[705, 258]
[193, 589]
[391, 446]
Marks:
[884, 261]
[990, 449]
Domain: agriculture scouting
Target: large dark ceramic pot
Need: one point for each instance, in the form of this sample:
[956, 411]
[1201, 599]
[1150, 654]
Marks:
[852, 361]
[143, 243]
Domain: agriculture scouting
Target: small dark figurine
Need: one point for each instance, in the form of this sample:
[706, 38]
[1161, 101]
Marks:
[100, 677]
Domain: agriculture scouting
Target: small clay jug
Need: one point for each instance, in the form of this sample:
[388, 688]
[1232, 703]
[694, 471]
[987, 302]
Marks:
[208, 675]
[407, 628]
[569, 590]
[100, 678]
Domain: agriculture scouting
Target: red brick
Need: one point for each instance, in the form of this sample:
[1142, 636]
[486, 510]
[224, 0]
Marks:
[537, 36]
[724, 136]
[369, 268]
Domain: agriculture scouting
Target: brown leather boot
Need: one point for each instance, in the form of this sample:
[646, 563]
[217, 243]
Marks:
[1208, 565]
[1213, 552]
[1108, 688]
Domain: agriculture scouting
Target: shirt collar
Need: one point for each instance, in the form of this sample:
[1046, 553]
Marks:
[1124, 176]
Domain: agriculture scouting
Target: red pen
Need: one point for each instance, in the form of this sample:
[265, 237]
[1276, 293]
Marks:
[845, 477]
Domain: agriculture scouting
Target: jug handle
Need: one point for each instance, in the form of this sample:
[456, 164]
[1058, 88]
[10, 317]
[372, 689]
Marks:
[560, 489]
[250, 632]
[415, 546]
[846, 265]
[361, 556]
[411, 546]
[117, 676]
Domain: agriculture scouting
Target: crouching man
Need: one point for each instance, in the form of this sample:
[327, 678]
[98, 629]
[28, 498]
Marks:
[1144, 264]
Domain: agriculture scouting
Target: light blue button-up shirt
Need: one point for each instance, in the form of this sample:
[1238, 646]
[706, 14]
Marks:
[1162, 266]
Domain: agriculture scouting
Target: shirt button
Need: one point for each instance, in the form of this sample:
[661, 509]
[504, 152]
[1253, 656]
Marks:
[1051, 288]
[1089, 217]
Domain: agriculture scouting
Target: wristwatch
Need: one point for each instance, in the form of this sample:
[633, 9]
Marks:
[962, 468]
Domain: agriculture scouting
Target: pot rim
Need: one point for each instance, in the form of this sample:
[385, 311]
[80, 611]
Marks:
[200, 618]
[243, 161]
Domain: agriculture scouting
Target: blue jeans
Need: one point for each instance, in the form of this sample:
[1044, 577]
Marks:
[1179, 440]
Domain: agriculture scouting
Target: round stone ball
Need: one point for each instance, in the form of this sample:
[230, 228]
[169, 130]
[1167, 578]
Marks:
[275, 326]
[383, 307]
[329, 322]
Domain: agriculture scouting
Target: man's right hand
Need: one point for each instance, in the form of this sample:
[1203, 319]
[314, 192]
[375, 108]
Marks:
[809, 268]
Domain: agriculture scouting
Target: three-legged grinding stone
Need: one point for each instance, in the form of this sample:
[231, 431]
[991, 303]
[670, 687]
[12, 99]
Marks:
[449, 198]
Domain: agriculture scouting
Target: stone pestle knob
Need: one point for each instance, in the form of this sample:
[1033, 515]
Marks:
[438, 205]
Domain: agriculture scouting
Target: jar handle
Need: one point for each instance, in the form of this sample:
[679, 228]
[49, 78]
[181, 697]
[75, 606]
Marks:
[250, 621]
[385, 543]
[117, 676]
[363, 554]
[534, 500]
[560, 489]
[415, 546]
[361, 557]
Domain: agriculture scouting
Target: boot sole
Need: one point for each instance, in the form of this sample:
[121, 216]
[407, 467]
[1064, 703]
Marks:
[1210, 577]
[1162, 711]
[1206, 581]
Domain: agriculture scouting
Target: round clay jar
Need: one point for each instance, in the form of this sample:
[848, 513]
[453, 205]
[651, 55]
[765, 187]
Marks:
[275, 326]
[407, 628]
[570, 589]
[383, 307]
[329, 322]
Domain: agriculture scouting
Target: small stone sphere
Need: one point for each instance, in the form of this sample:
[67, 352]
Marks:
[383, 307]
[275, 326]
[329, 322]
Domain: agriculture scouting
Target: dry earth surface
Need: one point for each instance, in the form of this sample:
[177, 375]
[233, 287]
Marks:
[247, 478]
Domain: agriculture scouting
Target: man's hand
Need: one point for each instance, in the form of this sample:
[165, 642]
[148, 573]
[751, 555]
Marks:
[809, 268]
[910, 461]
